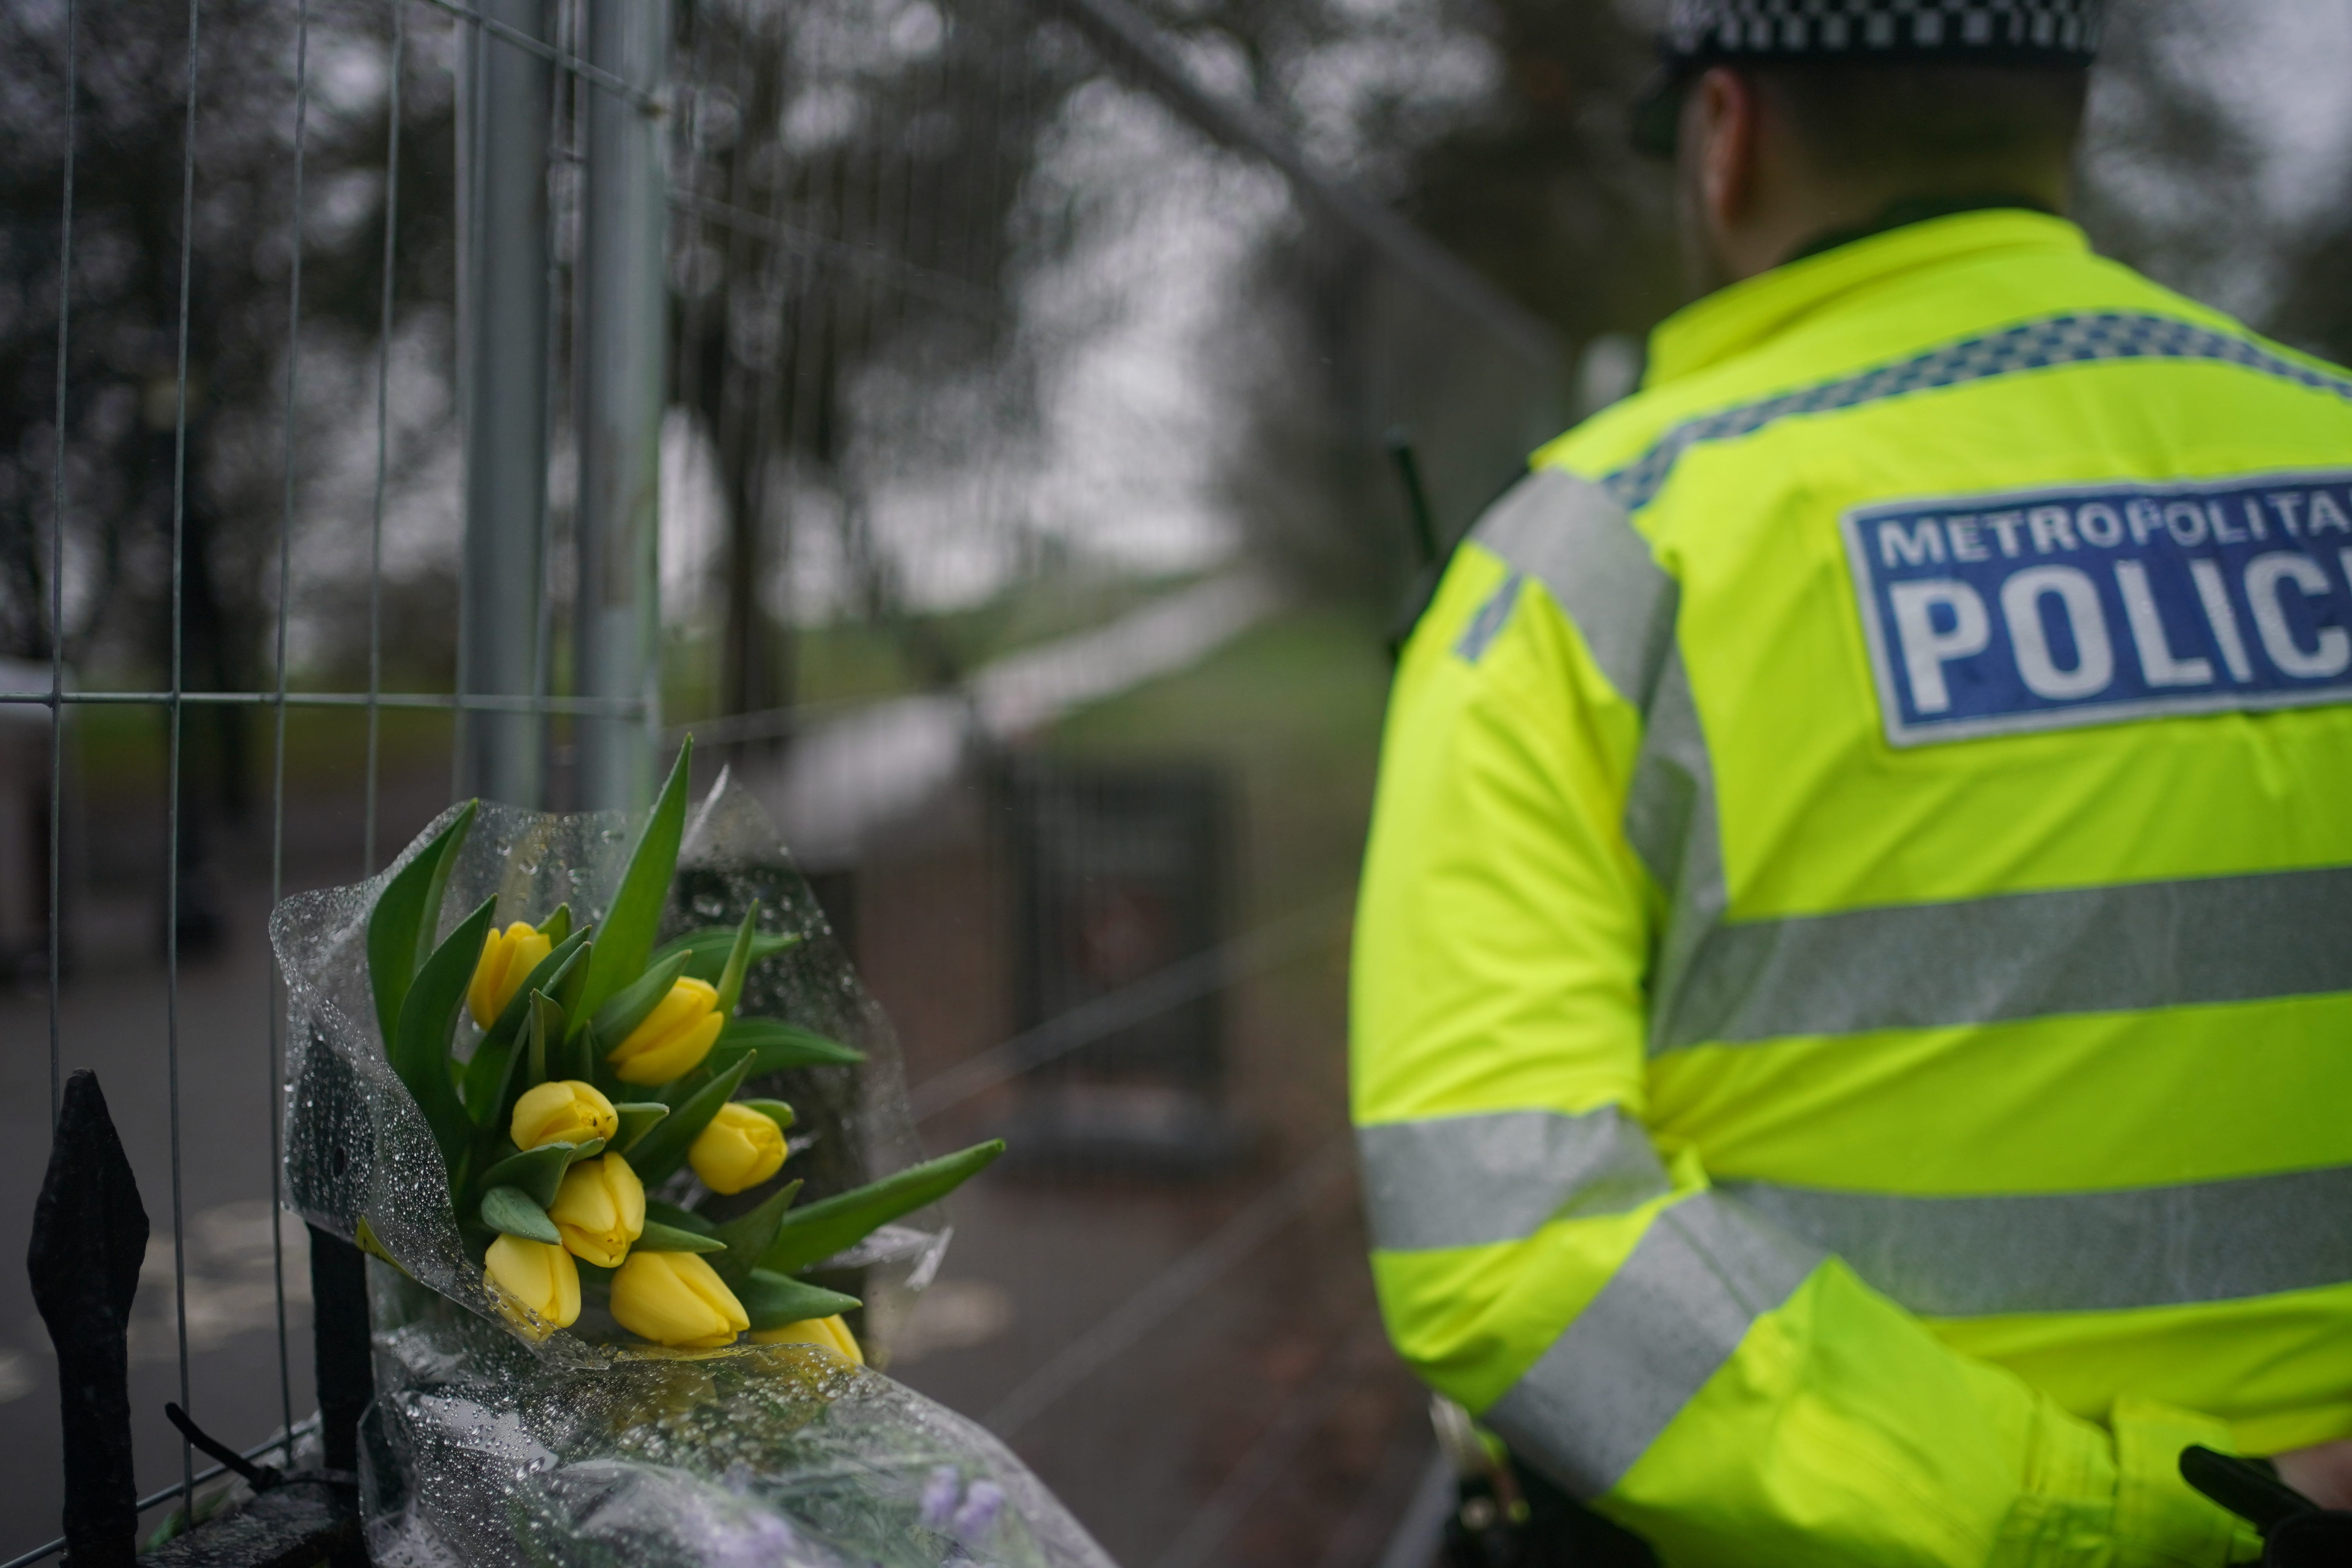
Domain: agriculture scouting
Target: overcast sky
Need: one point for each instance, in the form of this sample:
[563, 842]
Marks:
[2287, 66]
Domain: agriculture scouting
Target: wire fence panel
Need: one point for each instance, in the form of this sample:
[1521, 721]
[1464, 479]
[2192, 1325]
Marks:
[987, 394]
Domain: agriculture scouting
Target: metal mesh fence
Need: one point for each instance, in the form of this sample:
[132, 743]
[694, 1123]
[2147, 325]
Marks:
[410, 397]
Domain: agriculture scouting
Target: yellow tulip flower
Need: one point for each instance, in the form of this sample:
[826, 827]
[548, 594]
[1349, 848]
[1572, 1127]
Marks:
[563, 1111]
[674, 1038]
[538, 1275]
[739, 1150]
[675, 1299]
[826, 1333]
[508, 958]
[600, 1209]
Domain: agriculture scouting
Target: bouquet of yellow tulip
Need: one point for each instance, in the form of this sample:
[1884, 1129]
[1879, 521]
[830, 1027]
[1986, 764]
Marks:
[603, 1068]
[575, 1116]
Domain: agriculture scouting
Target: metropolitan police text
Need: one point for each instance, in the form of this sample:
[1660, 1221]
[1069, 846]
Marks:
[2093, 603]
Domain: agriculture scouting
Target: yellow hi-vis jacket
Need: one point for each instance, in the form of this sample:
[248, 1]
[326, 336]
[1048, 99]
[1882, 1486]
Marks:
[1853, 993]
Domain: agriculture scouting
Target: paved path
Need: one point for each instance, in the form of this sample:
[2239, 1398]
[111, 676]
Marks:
[851, 776]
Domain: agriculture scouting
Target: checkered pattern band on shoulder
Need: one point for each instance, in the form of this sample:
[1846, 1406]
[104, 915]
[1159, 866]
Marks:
[2046, 344]
[2055, 30]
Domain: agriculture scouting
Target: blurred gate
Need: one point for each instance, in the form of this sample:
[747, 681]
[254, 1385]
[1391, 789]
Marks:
[1121, 874]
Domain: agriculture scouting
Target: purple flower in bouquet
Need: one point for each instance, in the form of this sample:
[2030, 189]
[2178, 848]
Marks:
[759, 1541]
[940, 1493]
[977, 1516]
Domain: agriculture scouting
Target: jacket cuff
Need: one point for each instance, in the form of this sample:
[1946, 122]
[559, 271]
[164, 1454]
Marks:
[2160, 1521]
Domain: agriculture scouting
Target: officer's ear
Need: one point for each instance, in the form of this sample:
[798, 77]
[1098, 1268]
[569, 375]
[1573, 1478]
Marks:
[1719, 135]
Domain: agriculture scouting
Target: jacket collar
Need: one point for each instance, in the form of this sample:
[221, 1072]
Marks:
[1735, 319]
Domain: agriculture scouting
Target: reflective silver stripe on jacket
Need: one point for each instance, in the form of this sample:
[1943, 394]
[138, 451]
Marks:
[1670, 821]
[2080, 1252]
[2019, 955]
[1573, 537]
[1674, 1312]
[2120, 948]
[1570, 534]
[1470, 1181]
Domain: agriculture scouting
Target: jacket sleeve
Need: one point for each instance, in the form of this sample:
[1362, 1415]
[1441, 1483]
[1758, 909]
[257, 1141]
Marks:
[1541, 1258]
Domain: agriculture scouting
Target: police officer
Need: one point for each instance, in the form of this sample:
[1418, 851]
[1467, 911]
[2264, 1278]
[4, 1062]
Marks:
[1854, 988]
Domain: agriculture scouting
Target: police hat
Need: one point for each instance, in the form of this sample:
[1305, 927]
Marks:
[1701, 33]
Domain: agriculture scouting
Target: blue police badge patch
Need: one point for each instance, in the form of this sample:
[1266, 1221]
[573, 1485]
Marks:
[1990, 615]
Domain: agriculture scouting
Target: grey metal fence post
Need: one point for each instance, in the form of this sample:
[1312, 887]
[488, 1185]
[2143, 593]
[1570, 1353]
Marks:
[506, 239]
[623, 337]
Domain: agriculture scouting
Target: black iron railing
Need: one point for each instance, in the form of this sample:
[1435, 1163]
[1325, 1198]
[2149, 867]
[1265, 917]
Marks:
[90, 1237]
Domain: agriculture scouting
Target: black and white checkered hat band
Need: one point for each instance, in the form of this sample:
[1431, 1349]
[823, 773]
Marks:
[2053, 30]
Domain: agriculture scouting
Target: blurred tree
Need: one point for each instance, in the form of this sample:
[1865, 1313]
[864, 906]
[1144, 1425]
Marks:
[1543, 192]
[2315, 312]
[123, 421]
[2167, 161]
[850, 179]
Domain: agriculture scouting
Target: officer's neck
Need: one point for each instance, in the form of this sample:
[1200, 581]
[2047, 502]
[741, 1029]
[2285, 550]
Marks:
[1752, 201]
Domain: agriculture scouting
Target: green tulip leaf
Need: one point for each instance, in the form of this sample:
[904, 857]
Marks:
[679, 1218]
[767, 1046]
[775, 1110]
[487, 1074]
[484, 1084]
[663, 1148]
[538, 1173]
[638, 1118]
[527, 1069]
[477, 1153]
[419, 1048]
[546, 976]
[626, 936]
[406, 914]
[514, 1212]
[739, 960]
[708, 948]
[543, 1034]
[810, 1236]
[633, 1004]
[572, 984]
[557, 926]
[749, 1233]
[659, 1238]
[776, 1045]
[695, 1080]
[776, 1300]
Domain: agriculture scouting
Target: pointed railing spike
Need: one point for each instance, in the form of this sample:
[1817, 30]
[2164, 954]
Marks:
[90, 1236]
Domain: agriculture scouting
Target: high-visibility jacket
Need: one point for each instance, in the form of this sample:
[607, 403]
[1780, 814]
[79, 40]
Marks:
[1853, 997]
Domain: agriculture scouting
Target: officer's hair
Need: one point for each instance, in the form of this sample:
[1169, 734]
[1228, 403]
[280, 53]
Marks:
[1931, 123]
